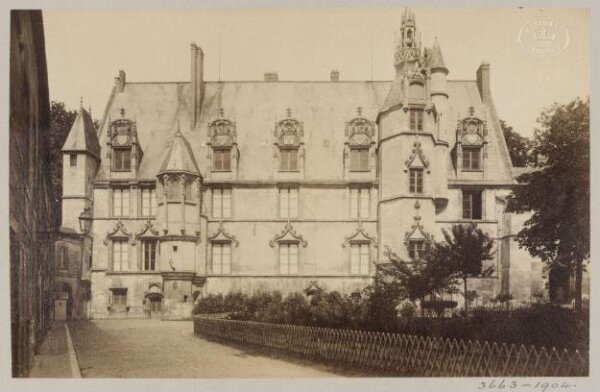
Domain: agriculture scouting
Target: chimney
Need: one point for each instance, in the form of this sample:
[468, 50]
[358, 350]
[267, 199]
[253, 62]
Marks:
[120, 81]
[271, 77]
[483, 82]
[196, 84]
[335, 75]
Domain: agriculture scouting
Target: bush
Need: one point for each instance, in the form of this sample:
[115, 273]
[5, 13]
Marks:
[540, 325]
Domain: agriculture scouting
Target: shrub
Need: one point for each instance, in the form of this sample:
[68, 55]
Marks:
[439, 306]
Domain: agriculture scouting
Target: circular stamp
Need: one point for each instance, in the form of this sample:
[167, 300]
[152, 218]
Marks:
[543, 37]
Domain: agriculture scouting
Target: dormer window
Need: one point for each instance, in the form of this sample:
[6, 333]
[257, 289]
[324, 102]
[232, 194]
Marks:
[288, 159]
[289, 145]
[359, 133]
[222, 159]
[471, 142]
[126, 153]
[122, 159]
[471, 158]
[222, 136]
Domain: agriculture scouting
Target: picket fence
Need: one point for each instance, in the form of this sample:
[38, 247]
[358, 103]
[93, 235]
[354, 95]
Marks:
[397, 354]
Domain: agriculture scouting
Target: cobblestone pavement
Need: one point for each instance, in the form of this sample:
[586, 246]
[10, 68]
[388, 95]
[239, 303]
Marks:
[169, 349]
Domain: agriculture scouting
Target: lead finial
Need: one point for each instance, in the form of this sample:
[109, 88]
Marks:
[81, 102]
[122, 111]
[289, 112]
[359, 111]
[471, 111]
[221, 113]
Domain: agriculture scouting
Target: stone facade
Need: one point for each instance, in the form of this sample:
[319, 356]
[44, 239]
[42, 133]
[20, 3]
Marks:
[210, 187]
[32, 220]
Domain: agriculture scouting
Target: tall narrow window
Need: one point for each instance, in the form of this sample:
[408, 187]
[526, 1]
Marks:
[288, 159]
[472, 204]
[416, 119]
[188, 191]
[415, 249]
[288, 202]
[288, 258]
[359, 159]
[221, 258]
[174, 190]
[121, 159]
[359, 258]
[221, 205]
[73, 160]
[148, 201]
[359, 202]
[222, 159]
[63, 261]
[120, 256]
[149, 255]
[120, 202]
[416, 180]
[471, 158]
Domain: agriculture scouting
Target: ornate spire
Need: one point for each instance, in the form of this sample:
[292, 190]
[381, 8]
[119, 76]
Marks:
[408, 42]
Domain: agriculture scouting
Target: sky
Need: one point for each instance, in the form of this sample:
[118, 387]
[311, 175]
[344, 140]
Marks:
[86, 49]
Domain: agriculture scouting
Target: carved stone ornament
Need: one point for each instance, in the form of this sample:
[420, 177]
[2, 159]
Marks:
[417, 232]
[471, 130]
[417, 158]
[222, 132]
[359, 235]
[289, 132]
[360, 131]
[118, 233]
[122, 132]
[224, 236]
[288, 234]
[148, 231]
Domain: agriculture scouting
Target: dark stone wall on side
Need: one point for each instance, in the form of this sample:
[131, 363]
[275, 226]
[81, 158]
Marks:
[32, 221]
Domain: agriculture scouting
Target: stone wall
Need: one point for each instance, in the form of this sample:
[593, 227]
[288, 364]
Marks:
[32, 222]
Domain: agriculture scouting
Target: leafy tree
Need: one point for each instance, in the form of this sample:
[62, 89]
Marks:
[465, 249]
[558, 191]
[519, 147]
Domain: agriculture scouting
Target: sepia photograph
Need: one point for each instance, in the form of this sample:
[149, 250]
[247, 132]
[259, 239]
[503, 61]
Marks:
[395, 191]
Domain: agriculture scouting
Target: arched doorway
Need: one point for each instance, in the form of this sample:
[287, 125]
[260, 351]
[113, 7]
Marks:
[153, 300]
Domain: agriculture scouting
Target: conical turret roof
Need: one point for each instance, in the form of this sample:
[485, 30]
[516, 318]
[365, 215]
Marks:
[179, 158]
[436, 60]
[82, 136]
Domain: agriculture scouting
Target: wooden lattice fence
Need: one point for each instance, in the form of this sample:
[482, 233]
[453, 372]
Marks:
[401, 355]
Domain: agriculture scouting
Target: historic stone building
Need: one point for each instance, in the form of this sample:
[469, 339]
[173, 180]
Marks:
[201, 187]
[33, 222]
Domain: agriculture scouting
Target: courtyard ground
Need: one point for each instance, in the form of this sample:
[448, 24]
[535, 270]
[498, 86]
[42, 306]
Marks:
[169, 349]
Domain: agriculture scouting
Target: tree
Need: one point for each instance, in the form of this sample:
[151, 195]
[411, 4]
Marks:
[519, 147]
[557, 192]
[465, 249]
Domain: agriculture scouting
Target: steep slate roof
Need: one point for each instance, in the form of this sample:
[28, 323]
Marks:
[322, 107]
[180, 158]
[436, 60]
[82, 136]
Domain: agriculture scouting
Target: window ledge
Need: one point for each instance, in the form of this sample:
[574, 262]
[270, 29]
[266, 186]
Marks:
[289, 171]
[121, 170]
[221, 171]
[473, 170]
[360, 171]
